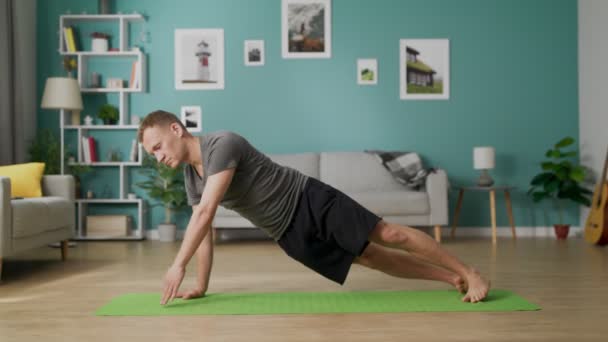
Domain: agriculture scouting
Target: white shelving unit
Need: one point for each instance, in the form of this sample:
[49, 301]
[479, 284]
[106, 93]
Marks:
[123, 21]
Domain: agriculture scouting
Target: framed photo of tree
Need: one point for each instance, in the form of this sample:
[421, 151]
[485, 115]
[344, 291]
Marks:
[306, 28]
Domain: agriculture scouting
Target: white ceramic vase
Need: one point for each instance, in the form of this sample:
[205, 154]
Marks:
[99, 45]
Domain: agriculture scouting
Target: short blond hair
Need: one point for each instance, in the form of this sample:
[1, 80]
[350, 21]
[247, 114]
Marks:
[158, 118]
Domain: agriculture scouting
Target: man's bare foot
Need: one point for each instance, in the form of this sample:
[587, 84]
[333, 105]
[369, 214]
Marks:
[459, 283]
[478, 287]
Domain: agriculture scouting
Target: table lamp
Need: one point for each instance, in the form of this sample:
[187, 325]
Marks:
[483, 159]
[62, 93]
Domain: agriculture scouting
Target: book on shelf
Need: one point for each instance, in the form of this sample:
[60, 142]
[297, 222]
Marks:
[89, 150]
[69, 36]
[135, 75]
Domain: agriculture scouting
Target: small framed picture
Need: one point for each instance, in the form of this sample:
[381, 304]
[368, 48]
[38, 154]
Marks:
[306, 28]
[424, 68]
[192, 118]
[367, 71]
[199, 59]
[254, 52]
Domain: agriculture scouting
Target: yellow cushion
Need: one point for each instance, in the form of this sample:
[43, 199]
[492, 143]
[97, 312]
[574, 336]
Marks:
[25, 179]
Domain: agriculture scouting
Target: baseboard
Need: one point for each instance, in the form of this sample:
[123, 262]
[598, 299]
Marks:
[544, 232]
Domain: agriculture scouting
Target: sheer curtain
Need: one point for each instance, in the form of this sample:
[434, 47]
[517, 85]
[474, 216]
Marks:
[18, 98]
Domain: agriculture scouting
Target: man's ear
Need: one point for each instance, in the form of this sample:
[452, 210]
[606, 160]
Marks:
[177, 129]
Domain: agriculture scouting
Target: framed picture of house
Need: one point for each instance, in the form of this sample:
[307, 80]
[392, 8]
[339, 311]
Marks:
[367, 71]
[192, 118]
[254, 52]
[424, 66]
[199, 59]
[306, 28]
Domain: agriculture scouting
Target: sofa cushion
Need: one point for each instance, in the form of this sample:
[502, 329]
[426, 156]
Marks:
[25, 179]
[394, 202]
[356, 172]
[32, 216]
[307, 163]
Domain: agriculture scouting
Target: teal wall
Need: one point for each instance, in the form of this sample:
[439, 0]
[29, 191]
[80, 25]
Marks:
[513, 84]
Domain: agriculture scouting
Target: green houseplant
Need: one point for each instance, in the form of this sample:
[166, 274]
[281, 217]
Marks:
[45, 148]
[108, 113]
[561, 180]
[166, 185]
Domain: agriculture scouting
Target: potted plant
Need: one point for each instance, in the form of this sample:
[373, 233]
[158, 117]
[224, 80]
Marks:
[166, 186]
[561, 181]
[109, 114]
[76, 170]
[45, 148]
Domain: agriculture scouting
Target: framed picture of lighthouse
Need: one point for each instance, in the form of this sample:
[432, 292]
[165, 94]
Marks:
[424, 67]
[306, 28]
[199, 59]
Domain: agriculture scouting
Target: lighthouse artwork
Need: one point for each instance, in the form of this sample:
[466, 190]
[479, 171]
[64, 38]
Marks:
[203, 54]
[199, 59]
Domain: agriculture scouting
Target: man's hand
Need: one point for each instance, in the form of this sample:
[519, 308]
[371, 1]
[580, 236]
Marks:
[190, 294]
[173, 279]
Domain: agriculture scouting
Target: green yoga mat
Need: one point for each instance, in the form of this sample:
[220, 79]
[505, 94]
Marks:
[147, 304]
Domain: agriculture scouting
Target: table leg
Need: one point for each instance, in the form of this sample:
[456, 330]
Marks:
[493, 214]
[457, 212]
[510, 213]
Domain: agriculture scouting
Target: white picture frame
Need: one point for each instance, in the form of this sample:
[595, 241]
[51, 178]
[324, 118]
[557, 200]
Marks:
[254, 53]
[192, 118]
[367, 71]
[302, 36]
[199, 59]
[429, 64]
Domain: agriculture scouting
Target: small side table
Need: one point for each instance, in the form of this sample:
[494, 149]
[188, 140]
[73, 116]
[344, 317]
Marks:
[492, 190]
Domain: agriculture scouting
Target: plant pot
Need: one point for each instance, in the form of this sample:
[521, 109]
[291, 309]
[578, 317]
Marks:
[167, 232]
[99, 45]
[561, 231]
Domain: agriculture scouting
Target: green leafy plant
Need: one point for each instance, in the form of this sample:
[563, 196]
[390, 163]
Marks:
[561, 178]
[108, 113]
[45, 148]
[164, 184]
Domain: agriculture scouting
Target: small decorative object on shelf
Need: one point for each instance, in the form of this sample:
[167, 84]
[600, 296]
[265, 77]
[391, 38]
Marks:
[100, 42]
[114, 83]
[90, 194]
[88, 120]
[114, 155]
[135, 120]
[94, 82]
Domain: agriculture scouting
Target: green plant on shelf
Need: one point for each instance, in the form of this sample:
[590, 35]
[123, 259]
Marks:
[109, 114]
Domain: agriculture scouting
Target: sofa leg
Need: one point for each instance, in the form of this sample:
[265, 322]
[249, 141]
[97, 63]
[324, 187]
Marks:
[438, 233]
[64, 250]
[0, 270]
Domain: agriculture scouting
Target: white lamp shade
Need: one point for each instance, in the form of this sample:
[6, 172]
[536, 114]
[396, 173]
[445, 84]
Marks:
[61, 93]
[483, 158]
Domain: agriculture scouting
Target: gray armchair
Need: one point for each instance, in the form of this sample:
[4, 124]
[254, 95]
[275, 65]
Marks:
[33, 222]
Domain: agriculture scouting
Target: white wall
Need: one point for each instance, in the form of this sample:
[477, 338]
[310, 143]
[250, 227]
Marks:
[593, 89]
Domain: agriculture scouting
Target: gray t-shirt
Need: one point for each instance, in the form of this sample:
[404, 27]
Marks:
[261, 190]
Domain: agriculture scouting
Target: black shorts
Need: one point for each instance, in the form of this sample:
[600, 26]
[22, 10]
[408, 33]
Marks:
[328, 230]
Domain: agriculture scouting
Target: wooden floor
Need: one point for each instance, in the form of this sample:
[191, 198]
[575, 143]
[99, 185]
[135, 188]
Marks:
[44, 299]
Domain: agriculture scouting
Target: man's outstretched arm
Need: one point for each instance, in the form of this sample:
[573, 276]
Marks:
[204, 258]
[198, 227]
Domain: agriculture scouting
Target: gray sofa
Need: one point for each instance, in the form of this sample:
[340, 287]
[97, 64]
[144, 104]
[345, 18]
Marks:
[363, 178]
[33, 222]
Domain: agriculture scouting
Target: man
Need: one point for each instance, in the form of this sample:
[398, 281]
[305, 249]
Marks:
[312, 222]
